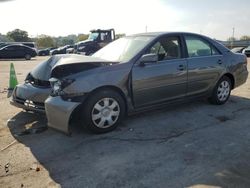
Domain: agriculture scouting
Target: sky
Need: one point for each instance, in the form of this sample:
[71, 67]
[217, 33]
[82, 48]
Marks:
[214, 18]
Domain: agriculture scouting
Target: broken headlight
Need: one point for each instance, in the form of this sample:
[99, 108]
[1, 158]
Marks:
[29, 78]
[58, 85]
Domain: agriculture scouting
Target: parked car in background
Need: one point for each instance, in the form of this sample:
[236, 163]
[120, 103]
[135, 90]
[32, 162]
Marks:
[141, 72]
[17, 51]
[46, 51]
[246, 51]
[31, 94]
[71, 50]
[61, 50]
[29, 44]
[238, 49]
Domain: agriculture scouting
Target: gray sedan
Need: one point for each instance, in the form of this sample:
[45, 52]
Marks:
[140, 72]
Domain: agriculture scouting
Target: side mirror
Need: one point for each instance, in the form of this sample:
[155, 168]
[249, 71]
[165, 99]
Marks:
[148, 58]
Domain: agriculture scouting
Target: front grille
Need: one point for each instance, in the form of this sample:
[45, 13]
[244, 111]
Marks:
[41, 83]
[36, 82]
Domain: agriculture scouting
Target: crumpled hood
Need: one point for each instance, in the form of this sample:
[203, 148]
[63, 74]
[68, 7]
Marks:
[74, 65]
[79, 59]
[43, 70]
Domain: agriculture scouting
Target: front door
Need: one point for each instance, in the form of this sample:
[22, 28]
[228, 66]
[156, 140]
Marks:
[163, 80]
[13, 51]
[8, 52]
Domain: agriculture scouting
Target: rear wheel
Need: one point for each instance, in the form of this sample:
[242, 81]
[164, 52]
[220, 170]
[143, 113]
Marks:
[103, 111]
[221, 91]
[27, 56]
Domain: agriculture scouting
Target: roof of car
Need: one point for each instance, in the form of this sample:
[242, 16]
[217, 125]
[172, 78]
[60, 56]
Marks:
[15, 45]
[155, 34]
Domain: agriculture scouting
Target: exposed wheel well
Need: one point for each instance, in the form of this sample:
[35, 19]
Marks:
[231, 77]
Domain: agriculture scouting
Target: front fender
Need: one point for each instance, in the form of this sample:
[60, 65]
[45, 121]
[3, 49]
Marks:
[87, 81]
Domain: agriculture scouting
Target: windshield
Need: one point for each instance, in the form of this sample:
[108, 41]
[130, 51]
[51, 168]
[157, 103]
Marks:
[124, 49]
[93, 36]
[3, 45]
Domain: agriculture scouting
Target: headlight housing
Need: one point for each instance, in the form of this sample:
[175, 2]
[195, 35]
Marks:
[58, 85]
[29, 78]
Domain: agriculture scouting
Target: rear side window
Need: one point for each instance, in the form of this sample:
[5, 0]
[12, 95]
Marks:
[29, 45]
[197, 47]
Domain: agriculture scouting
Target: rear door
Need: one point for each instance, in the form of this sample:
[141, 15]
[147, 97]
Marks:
[21, 51]
[163, 80]
[205, 64]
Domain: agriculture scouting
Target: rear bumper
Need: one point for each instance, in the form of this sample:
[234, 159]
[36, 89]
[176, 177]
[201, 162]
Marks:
[29, 98]
[242, 78]
[59, 112]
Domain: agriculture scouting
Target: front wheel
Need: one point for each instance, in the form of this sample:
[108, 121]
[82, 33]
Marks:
[103, 111]
[221, 91]
[27, 57]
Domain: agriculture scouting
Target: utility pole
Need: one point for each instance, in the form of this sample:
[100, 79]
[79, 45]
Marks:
[146, 29]
[233, 31]
[232, 38]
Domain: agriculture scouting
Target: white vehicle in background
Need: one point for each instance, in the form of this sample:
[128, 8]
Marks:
[246, 51]
[238, 49]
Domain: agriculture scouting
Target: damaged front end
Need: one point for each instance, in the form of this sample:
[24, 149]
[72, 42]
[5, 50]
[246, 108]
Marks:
[61, 105]
[62, 102]
[72, 83]
[31, 95]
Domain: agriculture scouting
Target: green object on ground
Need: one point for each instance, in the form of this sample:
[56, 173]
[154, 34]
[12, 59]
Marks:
[13, 79]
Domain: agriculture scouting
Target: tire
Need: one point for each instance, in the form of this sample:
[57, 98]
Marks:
[222, 91]
[103, 111]
[27, 56]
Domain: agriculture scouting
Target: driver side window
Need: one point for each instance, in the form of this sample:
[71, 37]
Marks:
[166, 48]
[10, 48]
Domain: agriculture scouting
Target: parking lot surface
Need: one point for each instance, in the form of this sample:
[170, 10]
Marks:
[187, 145]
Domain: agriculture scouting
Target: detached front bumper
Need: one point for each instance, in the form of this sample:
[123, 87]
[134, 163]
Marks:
[59, 112]
[29, 97]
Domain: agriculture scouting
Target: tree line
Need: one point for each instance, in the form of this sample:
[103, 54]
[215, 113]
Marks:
[44, 41]
[242, 38]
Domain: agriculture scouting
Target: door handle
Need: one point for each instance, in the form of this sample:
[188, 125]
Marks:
[219, 61]
[181, 67]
